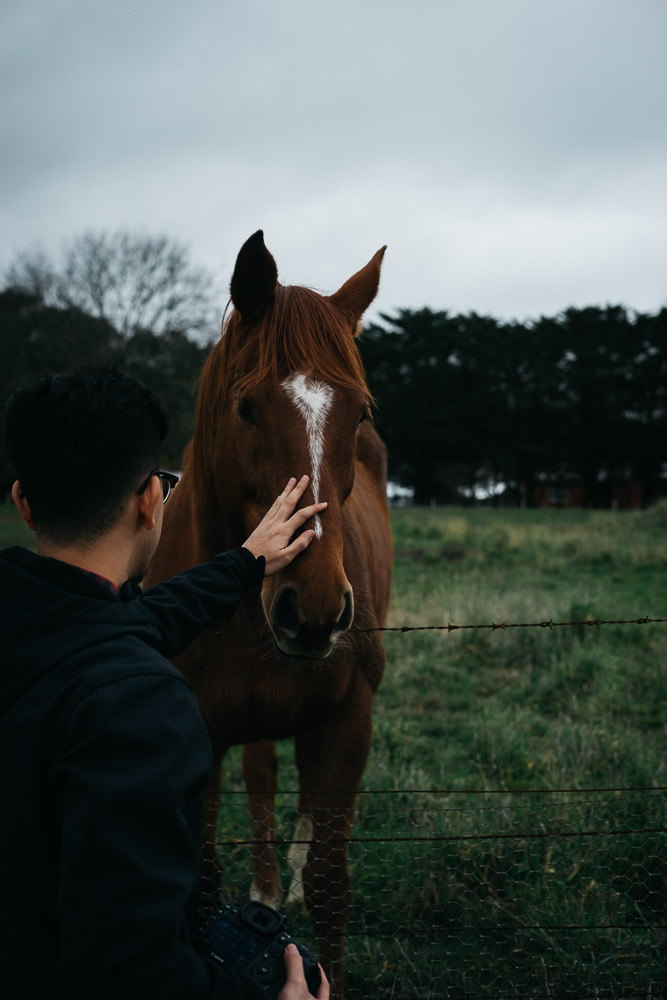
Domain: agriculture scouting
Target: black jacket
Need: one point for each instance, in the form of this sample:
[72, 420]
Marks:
[103, 760]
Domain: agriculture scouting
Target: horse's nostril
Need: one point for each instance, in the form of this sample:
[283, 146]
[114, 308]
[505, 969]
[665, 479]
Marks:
[347, 614]
[290, 623]
[287, 613]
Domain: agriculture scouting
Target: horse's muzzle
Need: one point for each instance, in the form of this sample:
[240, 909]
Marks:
[304, 635]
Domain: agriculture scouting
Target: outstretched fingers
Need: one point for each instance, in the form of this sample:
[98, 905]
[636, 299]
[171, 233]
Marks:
[290, 496]
[291, 485]
[304, 514]
[272, 538]
[294, 548]
[291, 549]
[284, 506]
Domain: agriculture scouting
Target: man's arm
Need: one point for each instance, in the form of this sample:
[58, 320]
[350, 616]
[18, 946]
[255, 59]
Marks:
[183, 607]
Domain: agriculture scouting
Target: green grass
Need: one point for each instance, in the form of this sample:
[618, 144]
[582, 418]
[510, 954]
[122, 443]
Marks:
[540, 708]
[505, 894]
[501, 867]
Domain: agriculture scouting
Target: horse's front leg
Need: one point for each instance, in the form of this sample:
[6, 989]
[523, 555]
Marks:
[260, 772]
[331, 762]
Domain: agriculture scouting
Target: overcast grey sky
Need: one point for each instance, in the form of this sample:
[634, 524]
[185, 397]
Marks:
[511, 153]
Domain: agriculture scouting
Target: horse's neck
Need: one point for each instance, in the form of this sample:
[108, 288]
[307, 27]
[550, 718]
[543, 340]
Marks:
[214, 534]
[216, 514]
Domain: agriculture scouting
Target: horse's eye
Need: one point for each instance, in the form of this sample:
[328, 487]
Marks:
[244, 410]
[364, 416]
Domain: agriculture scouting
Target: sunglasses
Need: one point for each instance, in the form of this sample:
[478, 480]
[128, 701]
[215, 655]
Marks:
[167, 480]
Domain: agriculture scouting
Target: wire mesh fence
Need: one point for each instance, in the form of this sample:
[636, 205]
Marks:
[467, 894]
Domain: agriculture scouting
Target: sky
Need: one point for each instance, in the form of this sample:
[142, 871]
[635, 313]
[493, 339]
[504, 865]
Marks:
[512, 154]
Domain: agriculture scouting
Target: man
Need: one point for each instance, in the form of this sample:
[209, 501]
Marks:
[103, 751]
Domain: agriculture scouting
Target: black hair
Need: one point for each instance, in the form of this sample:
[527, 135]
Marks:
[82, 442]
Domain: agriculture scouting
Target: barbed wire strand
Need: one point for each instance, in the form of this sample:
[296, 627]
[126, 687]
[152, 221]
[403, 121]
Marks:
[467, 791]
[538, 996]
[440, 839]
[493, 626]
[531, 996]
[501, 626]
[520, 928]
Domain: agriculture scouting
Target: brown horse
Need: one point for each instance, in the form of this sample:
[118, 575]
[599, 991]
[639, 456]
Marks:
[283, 392]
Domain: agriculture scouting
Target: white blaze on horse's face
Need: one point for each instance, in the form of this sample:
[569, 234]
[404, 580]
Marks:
[313, 400]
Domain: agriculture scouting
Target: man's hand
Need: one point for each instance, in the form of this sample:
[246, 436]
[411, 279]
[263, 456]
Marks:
[296, 987]
[271, 537]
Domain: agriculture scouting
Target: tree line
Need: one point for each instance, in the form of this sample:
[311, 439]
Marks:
[467, 401]
[464, 402]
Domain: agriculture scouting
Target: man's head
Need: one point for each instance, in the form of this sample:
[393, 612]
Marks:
[82, 443]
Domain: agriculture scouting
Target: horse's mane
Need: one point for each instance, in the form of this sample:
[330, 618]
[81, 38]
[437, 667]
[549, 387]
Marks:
[300, 331]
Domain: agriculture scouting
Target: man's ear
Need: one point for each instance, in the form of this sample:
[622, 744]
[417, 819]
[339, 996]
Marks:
[22, 505]
[148, 503]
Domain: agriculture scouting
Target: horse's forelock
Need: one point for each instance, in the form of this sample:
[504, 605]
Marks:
[301, 331]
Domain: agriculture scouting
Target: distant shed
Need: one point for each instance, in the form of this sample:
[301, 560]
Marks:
[571, 492]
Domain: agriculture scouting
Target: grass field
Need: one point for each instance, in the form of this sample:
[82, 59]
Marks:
[511, 837]
[556, 903]
[502, 756]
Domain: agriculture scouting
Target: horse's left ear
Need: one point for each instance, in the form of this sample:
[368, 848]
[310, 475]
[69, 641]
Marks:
[355, 296]
[254, 280]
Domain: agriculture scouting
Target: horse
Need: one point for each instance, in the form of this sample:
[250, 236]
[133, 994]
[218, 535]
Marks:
[283, 392]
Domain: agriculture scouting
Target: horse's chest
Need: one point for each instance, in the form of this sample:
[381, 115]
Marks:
[252, 695]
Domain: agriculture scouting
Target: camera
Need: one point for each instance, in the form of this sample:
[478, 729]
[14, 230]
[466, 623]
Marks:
[252, 939]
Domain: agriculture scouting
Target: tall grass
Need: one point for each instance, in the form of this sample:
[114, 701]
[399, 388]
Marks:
[540, 707]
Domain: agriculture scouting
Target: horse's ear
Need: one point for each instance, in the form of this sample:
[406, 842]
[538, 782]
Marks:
[355, 296]
[254, 280]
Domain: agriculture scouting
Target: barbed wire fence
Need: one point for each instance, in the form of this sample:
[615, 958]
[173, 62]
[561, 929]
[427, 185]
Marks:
[492, 626]
[501, 626]
[492, 894]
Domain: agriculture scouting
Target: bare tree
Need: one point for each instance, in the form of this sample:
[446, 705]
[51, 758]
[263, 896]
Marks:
[134, 281]
[32, 272]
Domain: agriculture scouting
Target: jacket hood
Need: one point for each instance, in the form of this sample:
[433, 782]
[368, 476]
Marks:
[33, 591]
